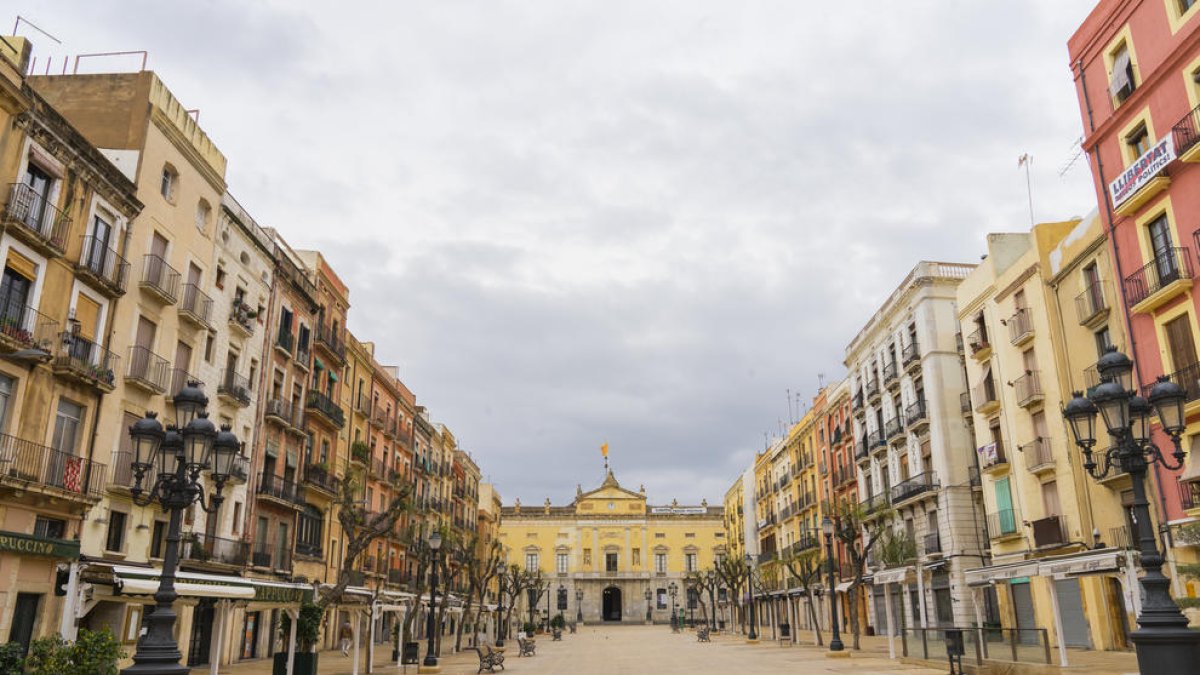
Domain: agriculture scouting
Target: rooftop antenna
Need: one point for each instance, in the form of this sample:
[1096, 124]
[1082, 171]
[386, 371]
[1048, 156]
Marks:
[1024, 161]
[22, 20]
[791, 417]
[820, 380]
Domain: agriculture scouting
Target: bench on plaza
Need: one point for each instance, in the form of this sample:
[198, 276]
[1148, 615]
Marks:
[528, 647]
[556, 636]
[572, 627]
[488, 659]
[702, 634]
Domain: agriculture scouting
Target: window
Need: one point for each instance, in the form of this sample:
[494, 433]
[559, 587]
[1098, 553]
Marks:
[662, 598]
[50, 528]
[115, 541]
[560, 563]
[610, 562]
[203, 212]
[531, 562]
[1138, 142]
[660, 563]
[562, 599]
[66, 427]
[1123, 83]
[210, 343]
[220, 281]
[170, 181]
[660, 535]
[158, 539]
[6, 388]
[690, 560]
[1103, 341]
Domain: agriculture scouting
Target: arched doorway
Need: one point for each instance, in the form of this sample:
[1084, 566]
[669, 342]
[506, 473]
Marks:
[612, 604]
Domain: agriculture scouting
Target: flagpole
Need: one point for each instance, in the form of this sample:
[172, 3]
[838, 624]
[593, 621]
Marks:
[1025, 160]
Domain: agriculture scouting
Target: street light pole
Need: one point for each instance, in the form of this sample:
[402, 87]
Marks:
[712, 602]
[753, 636]
[501, 573]
[673, 590]
[649, 618]
[1163, 641]
[578, 605]
[435, 543]
[835, 641]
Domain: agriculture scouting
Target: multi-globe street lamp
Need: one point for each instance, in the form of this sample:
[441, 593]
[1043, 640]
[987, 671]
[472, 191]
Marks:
[648, 595]
[501, 574]
[176, 456]
[835, 641]
[435, 545]
[673, 590]
[750, 591]
[712, 602]
[579, 605]
[1163, 641]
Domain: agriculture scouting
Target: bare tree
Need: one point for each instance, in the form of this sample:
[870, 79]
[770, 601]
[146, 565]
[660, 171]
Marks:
[361, 528]
[859, 529]
[806, 567]
[735, 575]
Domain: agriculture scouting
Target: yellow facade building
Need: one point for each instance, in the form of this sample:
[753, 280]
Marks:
[620, 551]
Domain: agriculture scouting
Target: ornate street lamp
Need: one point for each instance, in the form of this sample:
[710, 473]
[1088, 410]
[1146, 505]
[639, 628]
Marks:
[712, 602]
[435, 545]
[579, 605]
[1163, 641]
[750, 588]
[648, 595]
[501, 573]
[170, 462]
[672, 589]
[835, 642]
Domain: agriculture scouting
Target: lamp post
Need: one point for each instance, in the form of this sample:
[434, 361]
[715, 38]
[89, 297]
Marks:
[170, 461]
[672, 589]
[501, 573]
[435, 544]
[753, 636]
[562, 601]
[712, 602]
[649, 617]
[835, 641]
[578, 605]
[1163, 641]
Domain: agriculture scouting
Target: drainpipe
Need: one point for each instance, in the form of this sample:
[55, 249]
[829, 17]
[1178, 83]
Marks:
[1112, 237]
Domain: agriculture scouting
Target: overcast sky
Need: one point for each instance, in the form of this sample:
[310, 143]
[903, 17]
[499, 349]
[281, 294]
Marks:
[627, 221]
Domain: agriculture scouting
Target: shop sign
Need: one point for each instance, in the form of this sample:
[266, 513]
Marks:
[679, 510]
[44, 546]
[1142, 170]
[280, 594]
[1090, 565]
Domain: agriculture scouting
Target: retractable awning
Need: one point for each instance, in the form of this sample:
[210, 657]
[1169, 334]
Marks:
[185, 589]
[984, 576]
[843, 587]
[140, 581]
[897, 575]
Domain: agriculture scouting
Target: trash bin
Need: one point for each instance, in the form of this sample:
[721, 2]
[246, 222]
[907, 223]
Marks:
[410, 653]
[785, 631]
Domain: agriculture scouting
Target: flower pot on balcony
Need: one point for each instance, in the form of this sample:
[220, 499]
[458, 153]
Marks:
[305, 663]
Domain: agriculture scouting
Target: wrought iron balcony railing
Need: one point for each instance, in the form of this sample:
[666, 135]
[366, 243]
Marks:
[1168, 266]
[23, 327]
[103, 265]
[26, 462]
[1090, 302]
[148, 370]
[196, 306]
[200, 547]
[85, 361]
[159, 278]
[236, 387]
[915, 486]
[38, 221]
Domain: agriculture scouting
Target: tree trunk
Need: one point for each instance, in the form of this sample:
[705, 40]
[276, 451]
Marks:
[816, 621]
[853, 598]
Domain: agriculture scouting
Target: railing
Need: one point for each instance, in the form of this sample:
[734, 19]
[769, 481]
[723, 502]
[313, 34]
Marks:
[875, 502]
[86, 360]
[1016, 645]
[331, 341]
[37, 215]
[1020, 324]
[25, 327]
[1002, 523]
[368, 563]
[196, 304]
[160, 277]
[290, 272]
[1090, 302]
[932, 543]
[806, 541]
[279, 409]
[915, 413]
[262, 555]
[858, 400]
[321, 478]
[121, 474]
[101, 261]
[1186, 131]
[1121, 537]
[1189, 493]
[892, 426]
[999, 458]
[1038, 454]
[1049, 531]
[362, 403]
[179, 379]
[917, 485]
[235, 386]
[148, 369]
[1188, 378]
[872, 387]
[325, 405]
[890, 371]
[397, 576]
[26, 461]
[280, 488]
[978, 340]
[910, 353]
[285, 341]
[964, 402]
[311, 549]
[984, 393]
[203, 548]
[242, 316]
[1167, 267]
[875, 439]
[303, 355]
[861, 449]
[1028, 388]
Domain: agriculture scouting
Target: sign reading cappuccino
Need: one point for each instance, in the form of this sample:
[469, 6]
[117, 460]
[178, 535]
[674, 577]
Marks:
[29, 545]
[1142, 170]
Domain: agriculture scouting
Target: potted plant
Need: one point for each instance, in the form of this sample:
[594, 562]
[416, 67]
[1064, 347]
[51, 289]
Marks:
[308, 632]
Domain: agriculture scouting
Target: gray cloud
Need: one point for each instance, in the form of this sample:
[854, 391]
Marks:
[577, 222]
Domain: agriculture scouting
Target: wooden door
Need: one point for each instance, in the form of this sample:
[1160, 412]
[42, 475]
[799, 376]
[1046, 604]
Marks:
[1180, 342]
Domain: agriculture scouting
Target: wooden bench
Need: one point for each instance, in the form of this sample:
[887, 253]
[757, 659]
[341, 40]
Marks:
[702, 634]
[488, 659]
[528, 647]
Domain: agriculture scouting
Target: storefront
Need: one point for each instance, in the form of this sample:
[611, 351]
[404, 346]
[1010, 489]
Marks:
[32, 564]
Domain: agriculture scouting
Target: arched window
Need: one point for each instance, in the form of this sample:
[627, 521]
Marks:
[203, 214]
[170, 182]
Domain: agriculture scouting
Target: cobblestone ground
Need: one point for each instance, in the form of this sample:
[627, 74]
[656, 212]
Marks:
[634, 650]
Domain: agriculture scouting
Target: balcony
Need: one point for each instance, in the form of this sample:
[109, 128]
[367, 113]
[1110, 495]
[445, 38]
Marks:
[281, 490]
[1186, 134]
[360, 452]
[891, 374]
[1029, 389]
[85, 362]
[25, 464]
[1049, 532]
[964, 403]
[858, 400]
[1121, 537]
[285, 343]
[396, 576]
[1117, 479]
[910, 356]
[362, 404]
[178, 379]
[981, 348]
[331, 342]
[327, 411]
[993, 457]
[984, 395]
[806, 542]
[242, 318]
[312, 550]
[148, 371]
[1002, 525]
[23, 327]
[893, 428]
[916, 416]
[1039, 456]
[1189, 493]
[872, 389]
[234, 389]
[379, 418]
[875, 441]
[35, 221]
[844, 475]
[875, 503]
[1020, 327]
[1188, 378]
[159, 279]
[201, 548]
[1091, 307]
[100, 265]
[932, 544]
[278, 411]
[195, 307]
[862, 449]
[913, 488]
[269, 556]
[1160, 280]
[304, 356]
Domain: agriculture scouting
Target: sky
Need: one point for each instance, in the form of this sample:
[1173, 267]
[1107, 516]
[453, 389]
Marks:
[636, 222]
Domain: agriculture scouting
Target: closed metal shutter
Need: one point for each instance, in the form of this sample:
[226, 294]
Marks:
[1070, 606]
[880, 610]
[1022, 599]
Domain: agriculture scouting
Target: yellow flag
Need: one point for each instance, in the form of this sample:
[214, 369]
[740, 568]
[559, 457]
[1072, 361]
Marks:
[604, 449]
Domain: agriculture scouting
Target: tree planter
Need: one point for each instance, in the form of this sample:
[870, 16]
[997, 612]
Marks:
[305, 663]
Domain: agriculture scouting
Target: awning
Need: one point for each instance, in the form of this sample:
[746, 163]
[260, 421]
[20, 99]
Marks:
[317, 364]
[983, 576]
[843, 587]
[1120, 73]
[184, 589]
[333, 376]
[1083, 564]
[131, 580]
[893, 576]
